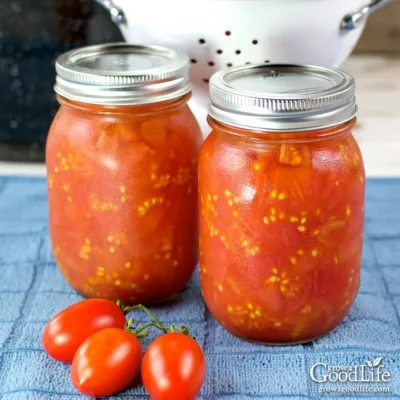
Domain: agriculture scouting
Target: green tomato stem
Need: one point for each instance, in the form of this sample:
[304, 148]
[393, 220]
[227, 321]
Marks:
[155, 322]
[147, 325]
[141, 307]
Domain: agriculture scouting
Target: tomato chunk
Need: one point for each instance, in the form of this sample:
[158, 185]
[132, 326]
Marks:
[123, 198]
[280, 231]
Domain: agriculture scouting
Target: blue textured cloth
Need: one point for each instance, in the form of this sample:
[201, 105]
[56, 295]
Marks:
[32, 290]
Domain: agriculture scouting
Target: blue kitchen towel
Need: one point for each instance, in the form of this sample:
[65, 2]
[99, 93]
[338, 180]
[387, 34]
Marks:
[32, 290]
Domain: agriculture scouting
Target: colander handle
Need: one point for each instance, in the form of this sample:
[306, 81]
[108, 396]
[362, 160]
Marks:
[354, 20]
[117, 14]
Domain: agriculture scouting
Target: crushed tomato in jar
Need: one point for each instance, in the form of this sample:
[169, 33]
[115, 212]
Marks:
[281, 185]
[122, 173]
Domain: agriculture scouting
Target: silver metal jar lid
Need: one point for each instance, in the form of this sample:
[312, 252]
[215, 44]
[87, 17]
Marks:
[122, 74]
[282, 97]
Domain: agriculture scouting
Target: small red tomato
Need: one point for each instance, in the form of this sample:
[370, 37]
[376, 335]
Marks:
[71, 327]
[106, 362]
[173, 368]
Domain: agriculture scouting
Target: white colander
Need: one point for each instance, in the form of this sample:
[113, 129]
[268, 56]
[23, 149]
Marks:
[224, 33]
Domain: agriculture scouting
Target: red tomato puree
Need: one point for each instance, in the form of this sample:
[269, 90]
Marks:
[281, 228]
[123, 198]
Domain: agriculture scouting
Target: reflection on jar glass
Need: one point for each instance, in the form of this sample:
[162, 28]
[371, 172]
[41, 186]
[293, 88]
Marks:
[122, 173]
[281, 188]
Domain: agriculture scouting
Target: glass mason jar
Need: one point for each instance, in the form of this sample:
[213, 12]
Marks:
[281, 183]
[122, 172]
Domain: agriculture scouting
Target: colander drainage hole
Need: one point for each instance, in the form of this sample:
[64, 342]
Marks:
[228, 33]
[238, 51]
[206, 80]
[193, 61]
[255, 41]
[219, 51]
[211, 63]
[202, 41]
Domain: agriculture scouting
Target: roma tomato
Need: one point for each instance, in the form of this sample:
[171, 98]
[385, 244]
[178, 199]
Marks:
[106, 363]
[173, 368]
[71, 327]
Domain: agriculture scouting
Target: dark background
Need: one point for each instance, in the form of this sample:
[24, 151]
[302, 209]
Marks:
[32, 34]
